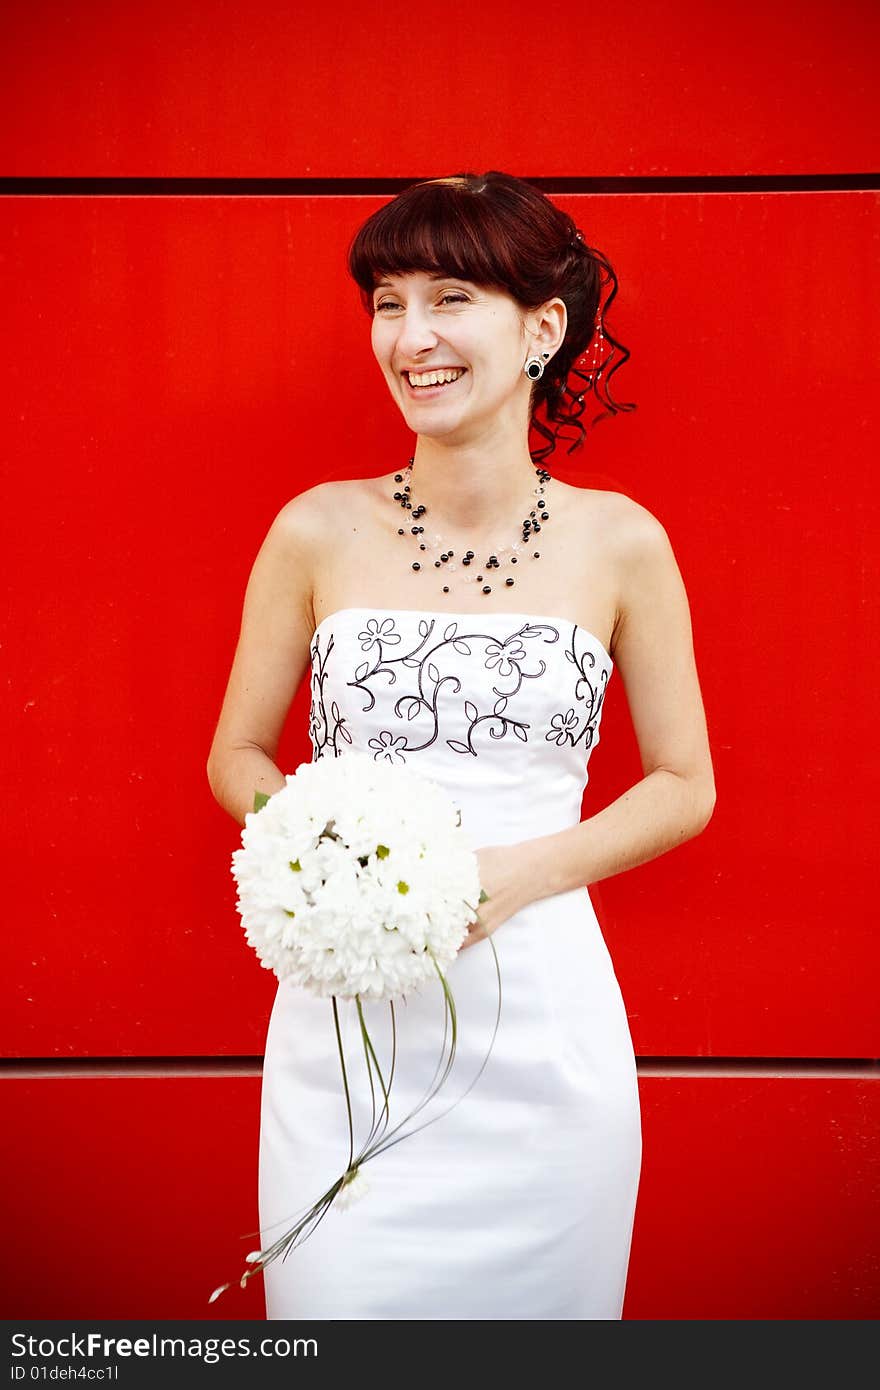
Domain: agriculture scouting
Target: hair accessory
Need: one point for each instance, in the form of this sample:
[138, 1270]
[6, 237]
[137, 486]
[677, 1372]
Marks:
[530, 527]
[598, 343]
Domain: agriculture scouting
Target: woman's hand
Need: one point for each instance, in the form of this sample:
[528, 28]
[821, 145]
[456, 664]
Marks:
[505, 877]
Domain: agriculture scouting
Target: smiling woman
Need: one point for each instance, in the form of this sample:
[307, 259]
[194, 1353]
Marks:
[476, 322]
[465, 615]
[497, 232]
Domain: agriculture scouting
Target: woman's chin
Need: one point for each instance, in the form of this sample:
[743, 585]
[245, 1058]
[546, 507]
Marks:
[433, 419]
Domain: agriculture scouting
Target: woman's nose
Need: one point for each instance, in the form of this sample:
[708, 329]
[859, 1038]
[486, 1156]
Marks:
[416, 333]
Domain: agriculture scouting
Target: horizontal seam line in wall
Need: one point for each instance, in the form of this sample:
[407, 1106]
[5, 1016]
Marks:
[783, 1068]
[134, 186]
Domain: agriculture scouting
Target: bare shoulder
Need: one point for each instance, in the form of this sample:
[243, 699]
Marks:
[653, 610]
[306, 524]
[620, 540]
[316, 506]
[628, 527]
[654, 652]
[630, 556]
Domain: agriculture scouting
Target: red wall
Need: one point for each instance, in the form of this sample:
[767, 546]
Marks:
[171, 377]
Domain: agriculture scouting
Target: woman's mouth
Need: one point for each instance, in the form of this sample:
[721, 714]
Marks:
[432, 386]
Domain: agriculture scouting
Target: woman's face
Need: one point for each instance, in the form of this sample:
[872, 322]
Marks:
[423, 322]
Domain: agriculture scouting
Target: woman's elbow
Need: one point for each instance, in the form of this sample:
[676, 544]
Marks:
[704, 802]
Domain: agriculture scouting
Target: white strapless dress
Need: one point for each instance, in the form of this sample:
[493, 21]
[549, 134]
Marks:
[519, 1202]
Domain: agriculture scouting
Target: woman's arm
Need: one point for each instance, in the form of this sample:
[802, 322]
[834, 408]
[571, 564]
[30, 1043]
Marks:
[270, 660]
[654, 654]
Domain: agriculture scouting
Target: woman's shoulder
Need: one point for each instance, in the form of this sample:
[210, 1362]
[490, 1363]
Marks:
[317, 505]
[625, 524]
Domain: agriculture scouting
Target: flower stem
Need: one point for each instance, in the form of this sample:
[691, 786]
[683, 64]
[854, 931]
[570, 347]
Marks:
[344, 1081]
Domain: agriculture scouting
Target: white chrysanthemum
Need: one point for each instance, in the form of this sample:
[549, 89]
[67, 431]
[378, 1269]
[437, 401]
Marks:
[352, 875]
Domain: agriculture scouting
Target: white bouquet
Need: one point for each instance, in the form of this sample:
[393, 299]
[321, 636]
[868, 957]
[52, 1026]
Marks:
[356, 880]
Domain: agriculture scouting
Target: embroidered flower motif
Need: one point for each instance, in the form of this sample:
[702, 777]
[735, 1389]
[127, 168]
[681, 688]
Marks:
[378, 631]
[437, 698]
[505, 655]
[388, 746]
[562, 727]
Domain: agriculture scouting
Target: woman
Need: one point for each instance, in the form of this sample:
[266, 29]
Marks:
[463, 614]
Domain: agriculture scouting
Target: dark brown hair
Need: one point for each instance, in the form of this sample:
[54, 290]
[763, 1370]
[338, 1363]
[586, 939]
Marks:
[502, 232]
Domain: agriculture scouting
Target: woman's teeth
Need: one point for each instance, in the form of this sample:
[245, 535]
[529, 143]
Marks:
[433, 378]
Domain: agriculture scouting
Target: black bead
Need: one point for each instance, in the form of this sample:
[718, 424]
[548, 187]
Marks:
[545, 516]
[416, 565]
[487, 588]
[400, 531]
[415, 530]
[479, 578]
[446, 588]
[513, 559]
[466, 560]
[398, 478]
[508, 581]
[537, 553]
[436, 562]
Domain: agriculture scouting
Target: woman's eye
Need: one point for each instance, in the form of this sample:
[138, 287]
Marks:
[455, 298]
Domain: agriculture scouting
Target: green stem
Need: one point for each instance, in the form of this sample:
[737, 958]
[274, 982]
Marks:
[319, 1209]
[344, 1081]
[451, 1003]
[368, 1051]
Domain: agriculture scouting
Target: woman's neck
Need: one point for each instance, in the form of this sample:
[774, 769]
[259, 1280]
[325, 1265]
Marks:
[466, 490]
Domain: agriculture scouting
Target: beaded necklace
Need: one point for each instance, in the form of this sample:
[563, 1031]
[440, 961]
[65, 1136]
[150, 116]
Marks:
[445, 558]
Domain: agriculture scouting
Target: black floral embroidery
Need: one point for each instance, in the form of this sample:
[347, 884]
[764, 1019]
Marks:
[592, 692]
[561, 726]
[389, 746]
[378, 631]
[321, 732]
[419, 666]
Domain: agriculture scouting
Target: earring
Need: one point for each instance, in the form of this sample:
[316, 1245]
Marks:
[535, 367]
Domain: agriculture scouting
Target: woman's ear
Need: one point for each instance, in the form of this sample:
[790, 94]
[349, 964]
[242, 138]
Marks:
[549, 325]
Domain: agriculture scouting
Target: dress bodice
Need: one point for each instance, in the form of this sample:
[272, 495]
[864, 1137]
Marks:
[501, 709]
